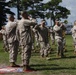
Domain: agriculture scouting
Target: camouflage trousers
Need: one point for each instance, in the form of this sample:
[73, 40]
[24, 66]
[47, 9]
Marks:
[52, 39]
[26, 54]
[74, 42]
[37, 41]
[44, 49]
[13, 51]
[60, 47]
[5, 45]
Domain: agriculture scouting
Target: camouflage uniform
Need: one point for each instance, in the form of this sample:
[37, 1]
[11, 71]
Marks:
[12, 41]
[59, 39]
[52, 35]
[73, 30]
[64, 40]
[25, 39]
[36, 37]
[3, 32]
[43, 40]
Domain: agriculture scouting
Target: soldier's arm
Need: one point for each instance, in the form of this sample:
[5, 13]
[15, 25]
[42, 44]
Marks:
[56, 28]
[13, 25]
[0, 31]
[37, 27]
[10, 26]
[30, 22]
[63, 27]
[17, 34]
[48, 32]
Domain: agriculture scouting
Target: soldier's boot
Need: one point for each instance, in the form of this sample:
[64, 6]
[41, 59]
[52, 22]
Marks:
[12, 64]
[42, 56]
[58, 55]
[74, 52]
[63, 56]
[64, 48]
[28, 68]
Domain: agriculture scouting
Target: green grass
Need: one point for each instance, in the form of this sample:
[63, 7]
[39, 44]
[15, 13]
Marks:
[54, 66]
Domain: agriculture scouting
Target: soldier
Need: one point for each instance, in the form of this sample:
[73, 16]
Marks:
[5, 43]
[59, 38]
[12, 40]
[73, 30]
[25, 38]
[64, 40]
[43, 38]
[36, 38]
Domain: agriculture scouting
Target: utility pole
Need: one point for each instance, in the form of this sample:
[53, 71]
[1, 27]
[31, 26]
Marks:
[50, 18]
[50, 21]
[18, 16]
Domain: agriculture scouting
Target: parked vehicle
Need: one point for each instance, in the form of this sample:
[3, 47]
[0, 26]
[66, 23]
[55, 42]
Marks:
[68, 29]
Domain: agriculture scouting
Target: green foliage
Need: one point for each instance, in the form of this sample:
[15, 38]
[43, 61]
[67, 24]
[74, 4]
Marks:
[38, 9]
[33, 7]
[3, 11]
[65, 21]
[57, 11]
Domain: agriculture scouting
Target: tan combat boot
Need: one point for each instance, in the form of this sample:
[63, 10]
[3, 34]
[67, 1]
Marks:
[12, 64]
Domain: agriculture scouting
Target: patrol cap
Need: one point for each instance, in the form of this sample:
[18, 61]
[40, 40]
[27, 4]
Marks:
[11, 16]
[57, 21]
[43, 21]
[23, 12]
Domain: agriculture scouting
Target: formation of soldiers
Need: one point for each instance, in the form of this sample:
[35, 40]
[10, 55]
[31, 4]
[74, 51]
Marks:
[21, 33]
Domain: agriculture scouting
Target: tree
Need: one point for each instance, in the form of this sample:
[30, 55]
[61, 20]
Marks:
[3, 11]
[33, 7]
[16, 4]
[55, 11]
[38, 9]
[65, 21]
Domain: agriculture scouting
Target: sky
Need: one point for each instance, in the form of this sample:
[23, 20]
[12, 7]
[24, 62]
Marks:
[69, 4]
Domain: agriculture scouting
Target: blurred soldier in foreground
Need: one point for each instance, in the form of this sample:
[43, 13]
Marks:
[12, 41]
[59, 38]
[43, 38]
[25, 38]
[73, 30]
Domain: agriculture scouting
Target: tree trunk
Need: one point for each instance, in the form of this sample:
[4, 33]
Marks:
[18, 15]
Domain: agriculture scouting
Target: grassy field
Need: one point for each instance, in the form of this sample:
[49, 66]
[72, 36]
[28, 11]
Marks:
[54, 66]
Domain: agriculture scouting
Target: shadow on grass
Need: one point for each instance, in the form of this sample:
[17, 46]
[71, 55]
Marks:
[69, 50]
[47, 67]
[69, 57]
[39, 68]
[57, 68]
[64, 68]
[43, 67]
